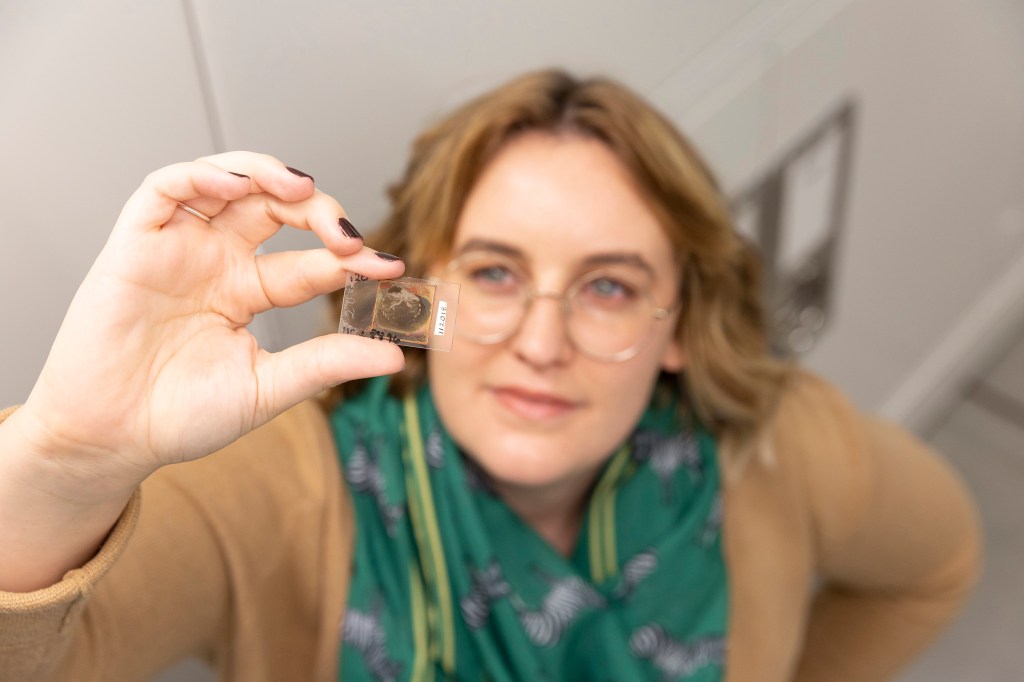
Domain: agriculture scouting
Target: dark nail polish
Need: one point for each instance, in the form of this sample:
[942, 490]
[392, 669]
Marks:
[300, 173]
[349, 229]
[239, 175]
[387, 256]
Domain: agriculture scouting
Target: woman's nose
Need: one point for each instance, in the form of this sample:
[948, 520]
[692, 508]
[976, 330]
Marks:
[543, 338]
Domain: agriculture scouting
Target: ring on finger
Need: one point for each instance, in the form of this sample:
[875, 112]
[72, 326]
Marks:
[189, 209]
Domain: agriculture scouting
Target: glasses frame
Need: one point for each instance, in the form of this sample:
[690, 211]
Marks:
[658, 313]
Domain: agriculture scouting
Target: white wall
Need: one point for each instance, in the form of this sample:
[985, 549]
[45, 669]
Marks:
[936, 215]
[94, 98]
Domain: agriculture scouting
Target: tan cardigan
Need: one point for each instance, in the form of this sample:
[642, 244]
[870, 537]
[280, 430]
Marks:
[242, 558]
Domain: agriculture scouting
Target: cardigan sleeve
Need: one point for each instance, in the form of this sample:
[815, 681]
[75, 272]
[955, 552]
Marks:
[109, 618]
[218, 558]
[36, 627]
[898, 541]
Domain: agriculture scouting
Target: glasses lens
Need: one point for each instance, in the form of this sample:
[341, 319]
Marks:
[492, 296]
[611, 313]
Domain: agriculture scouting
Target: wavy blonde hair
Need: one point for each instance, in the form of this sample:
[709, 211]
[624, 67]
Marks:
[731, 382]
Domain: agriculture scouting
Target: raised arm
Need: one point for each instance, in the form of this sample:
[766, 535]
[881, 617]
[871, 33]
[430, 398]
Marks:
[154, 364]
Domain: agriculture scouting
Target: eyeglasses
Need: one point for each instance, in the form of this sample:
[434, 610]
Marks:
[609, 312]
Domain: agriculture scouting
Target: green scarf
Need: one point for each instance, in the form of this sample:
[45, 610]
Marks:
[449, 583]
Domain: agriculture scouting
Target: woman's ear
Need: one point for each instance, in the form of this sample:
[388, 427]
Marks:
[674, 357]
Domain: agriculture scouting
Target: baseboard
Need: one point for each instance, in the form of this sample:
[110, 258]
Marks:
[936, 385]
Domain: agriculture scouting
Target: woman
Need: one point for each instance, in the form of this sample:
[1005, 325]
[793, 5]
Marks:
[607, 478]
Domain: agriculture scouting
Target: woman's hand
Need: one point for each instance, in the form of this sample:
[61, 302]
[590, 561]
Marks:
[154, 364]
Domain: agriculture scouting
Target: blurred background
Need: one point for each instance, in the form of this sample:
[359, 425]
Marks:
[873, 148]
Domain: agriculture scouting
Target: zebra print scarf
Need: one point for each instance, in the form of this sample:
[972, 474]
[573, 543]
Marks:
[449, 583]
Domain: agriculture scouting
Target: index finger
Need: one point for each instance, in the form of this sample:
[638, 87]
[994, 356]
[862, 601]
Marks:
[268, 174]
[208, 184]
[256, 218]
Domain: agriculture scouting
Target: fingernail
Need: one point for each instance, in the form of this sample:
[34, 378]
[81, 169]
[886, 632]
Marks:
[239, 175]
[300, 173]
[349, 229]
[387, 256]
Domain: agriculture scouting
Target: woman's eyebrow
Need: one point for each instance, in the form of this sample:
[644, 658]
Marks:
[633, 259]
[488, 245]
[613, 258]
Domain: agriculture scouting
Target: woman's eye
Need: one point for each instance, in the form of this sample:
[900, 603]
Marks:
[493, 277]
[610, 289]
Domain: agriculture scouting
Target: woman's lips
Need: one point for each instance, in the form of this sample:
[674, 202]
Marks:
[531, 404]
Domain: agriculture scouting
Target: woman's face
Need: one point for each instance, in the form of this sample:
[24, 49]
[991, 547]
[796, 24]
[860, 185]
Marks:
[532, 410]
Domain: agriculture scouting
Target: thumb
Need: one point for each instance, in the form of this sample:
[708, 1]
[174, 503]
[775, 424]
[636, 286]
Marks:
[300, 372]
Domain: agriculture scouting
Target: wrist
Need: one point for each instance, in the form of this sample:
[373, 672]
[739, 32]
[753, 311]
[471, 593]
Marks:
[52, 518]
[42, 465]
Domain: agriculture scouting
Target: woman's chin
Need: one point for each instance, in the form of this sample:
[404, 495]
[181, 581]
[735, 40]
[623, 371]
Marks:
[512, 471]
